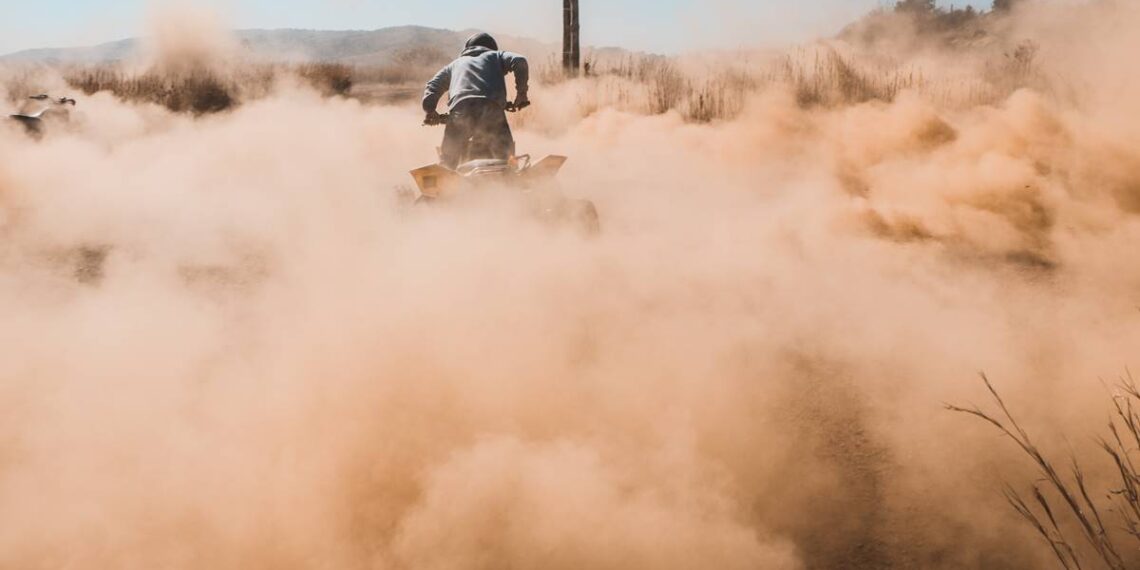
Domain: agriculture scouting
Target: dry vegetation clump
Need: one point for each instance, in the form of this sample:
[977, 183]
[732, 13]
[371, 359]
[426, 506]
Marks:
[827, 78]
[667, 87]
[200, 90]
[328, 78]
[718, 98]
[1083, 526]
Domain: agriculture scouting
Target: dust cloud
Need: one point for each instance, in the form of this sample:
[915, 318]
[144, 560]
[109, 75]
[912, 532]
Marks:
[282, 367]
[185, 36]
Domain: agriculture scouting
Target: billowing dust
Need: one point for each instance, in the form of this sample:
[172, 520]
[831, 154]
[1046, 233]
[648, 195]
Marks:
[283, 367]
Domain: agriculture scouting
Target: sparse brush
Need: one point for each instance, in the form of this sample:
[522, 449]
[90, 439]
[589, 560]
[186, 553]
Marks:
[823, 75]
[826, 75]
[1062, 507]
[202, 91]
[328, 78]
[197, 91]
[667, 87]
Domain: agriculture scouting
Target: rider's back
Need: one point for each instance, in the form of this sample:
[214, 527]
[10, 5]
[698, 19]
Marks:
[479, 73]
[480, 76]
[476, 83]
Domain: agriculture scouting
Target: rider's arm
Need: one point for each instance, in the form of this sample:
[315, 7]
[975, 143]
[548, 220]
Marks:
[436, 88]
[517, 64]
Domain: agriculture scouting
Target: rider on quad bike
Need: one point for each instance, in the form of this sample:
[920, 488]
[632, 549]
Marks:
[478, 152]
[477, 101]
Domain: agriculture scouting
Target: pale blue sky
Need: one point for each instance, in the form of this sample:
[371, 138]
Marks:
[654, 25]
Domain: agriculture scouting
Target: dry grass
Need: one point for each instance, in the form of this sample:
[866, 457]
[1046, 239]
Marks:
[655, 85]
[328, 78]
[202, 91]
[823, 75]
[195, 92]
[827, 78]
[1061, 509]
[820, 76]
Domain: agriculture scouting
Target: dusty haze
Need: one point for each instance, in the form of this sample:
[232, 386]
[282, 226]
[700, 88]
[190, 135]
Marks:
[282, 368]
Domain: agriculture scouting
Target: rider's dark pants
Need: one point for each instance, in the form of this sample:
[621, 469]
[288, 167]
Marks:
[481, 122]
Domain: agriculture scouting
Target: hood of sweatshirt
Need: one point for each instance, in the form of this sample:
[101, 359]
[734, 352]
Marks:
[478, 44]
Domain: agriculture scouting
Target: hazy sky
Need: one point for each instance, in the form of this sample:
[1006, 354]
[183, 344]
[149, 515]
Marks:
[655, 25]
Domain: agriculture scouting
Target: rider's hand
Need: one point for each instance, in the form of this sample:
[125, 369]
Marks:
[433, 118]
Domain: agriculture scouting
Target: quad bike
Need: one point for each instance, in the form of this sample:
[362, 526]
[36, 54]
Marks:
[534, 182]
[34, 123]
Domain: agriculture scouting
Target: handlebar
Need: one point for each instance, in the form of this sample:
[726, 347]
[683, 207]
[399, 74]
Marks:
[445, 117]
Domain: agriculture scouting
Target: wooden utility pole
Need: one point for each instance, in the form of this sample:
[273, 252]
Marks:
[571, 46]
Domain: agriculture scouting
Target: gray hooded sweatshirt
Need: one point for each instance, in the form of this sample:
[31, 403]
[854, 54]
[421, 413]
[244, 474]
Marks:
[479, 73]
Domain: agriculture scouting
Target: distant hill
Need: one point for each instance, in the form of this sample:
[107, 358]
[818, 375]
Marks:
[376, 47]
[113, 51]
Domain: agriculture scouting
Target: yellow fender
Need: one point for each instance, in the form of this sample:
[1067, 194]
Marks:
[546, 168]
[435, 181]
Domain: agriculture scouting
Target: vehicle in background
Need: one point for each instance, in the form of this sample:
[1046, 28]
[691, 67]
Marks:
[50, 110]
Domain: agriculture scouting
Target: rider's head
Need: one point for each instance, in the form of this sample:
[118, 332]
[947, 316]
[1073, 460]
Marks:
[482, 40]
